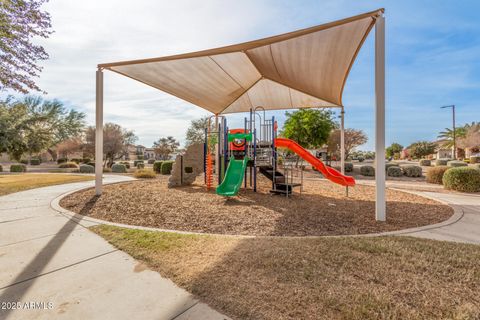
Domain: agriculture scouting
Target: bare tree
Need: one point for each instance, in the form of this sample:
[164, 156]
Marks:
[164, 147]
[196, 130]
[69, 146]
[115, 141]
[472, 137]
[353, 139]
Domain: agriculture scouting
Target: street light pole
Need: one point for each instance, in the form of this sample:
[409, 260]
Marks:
[454, 133]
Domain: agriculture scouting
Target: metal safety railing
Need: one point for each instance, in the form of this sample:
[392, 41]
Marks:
[293, 173]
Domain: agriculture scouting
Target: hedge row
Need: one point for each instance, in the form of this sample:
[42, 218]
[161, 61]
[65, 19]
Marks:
[167, 167]
[19, 167]
[157, 166]
[435, 174]
[119, 168]
[136, 162]
[86, 168]
[455, 163]
[68, 165]
[425, 163]
[463, 179]
[393, 170]
[126, 163]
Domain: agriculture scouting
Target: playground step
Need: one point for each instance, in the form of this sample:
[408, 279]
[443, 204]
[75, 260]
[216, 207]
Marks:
[284, 188]
[269, 173]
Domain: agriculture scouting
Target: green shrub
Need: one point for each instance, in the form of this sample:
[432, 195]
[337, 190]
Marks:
[144, 174]
[361, 159]
[455, 163]
[462, 179]
[389, 165]
[126, 164]
[18, 167]
[1, 168]
[151, 161]
[157, 166]
[119, 168]
[86, 168]
[140, 165]
[441, 162]
[425, 163]
[61, 160]
[348, 167]
[475, 159]
[136, 162]
[167, 167]
[368, 171]
[68, 165]
[435, 174]
[394, 171]
[86, 160]
[24, 161]
[412, 171]
[35, 162]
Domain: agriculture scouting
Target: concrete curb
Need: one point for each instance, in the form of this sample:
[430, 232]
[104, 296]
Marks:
[55, 205]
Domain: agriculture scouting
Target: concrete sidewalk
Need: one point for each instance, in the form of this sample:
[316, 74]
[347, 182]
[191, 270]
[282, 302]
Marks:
[52, 267]
[466, 229]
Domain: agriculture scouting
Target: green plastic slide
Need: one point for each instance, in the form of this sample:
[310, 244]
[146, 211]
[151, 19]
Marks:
[233, 178]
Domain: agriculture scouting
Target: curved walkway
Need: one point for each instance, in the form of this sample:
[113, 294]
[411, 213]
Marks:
[52, 267]
[466, 229]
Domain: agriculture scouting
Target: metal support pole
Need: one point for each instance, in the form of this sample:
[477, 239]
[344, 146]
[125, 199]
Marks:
[454, 134]
[205, 151]
[380, 205]
[99, 133]
[342, 141]
[254, 160]
[274, 155]
[246, 155]
[217, 149]
[219, 154]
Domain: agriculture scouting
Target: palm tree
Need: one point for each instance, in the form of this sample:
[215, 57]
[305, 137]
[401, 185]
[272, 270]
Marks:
[447, 136]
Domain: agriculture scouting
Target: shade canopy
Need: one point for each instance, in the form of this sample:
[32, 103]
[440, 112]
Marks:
[301, 69]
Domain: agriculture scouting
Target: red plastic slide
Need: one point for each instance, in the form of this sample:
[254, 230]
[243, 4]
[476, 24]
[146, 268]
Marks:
[329, 173]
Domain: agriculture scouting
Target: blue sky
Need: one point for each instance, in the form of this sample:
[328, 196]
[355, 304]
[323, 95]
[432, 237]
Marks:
[433, 58]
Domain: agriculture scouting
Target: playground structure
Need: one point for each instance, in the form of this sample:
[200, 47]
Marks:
[243, 153]
[306, 68]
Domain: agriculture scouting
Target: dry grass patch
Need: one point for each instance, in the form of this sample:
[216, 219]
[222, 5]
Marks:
[322, 209]
[321, 278]
[15, 183]
[145, 174]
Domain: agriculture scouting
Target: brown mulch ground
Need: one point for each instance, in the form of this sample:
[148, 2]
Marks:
[322, 209]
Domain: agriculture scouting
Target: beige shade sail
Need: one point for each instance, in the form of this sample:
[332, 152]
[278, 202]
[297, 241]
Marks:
[301, 69]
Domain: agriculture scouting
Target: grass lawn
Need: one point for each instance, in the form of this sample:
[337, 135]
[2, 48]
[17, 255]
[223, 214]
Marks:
[19, 182]
[314, 278]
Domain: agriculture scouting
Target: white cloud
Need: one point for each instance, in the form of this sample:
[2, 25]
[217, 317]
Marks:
[91, 32]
